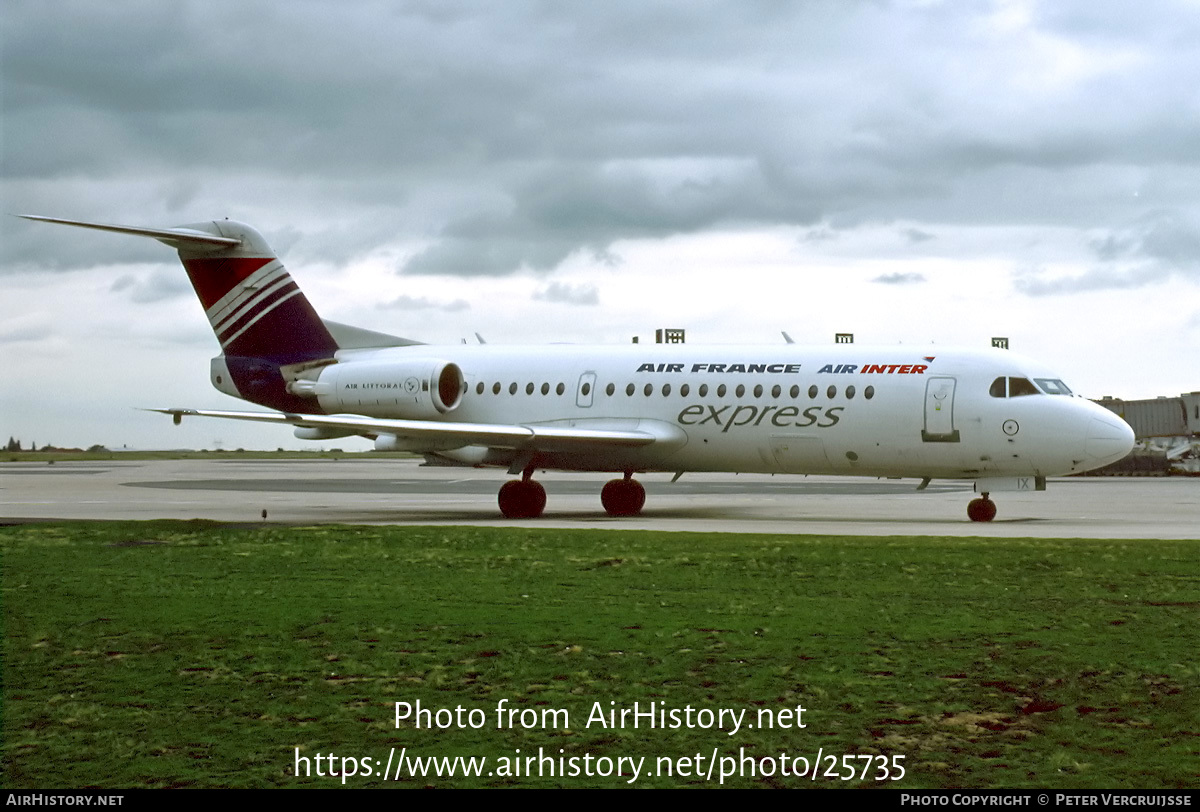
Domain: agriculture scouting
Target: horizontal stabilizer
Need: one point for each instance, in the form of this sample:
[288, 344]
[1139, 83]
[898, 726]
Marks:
[174, 237]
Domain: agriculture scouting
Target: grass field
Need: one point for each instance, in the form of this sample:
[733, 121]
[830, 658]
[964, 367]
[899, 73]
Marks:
[194, 654]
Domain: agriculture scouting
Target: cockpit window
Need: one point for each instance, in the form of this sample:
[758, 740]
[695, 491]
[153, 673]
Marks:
[1053, 386]
[1021, 386]
[1016, 387]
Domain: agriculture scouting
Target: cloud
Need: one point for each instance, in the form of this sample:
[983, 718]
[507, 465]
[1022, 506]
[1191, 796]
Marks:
[1093, 280]
[899, 278]
[26, 328]
[487, 139]
[1159, 246]
[569, 294]
[1168, 237]
[916, 235]
[818, 235]
[159, 285]
[422, 303]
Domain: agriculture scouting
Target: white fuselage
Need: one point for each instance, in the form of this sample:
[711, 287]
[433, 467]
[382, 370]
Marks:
[841, 409]
[989, 415]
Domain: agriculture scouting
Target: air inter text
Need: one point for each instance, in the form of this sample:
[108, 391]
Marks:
[889, 369]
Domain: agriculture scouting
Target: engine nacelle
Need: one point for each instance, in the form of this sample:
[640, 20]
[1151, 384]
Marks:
[414, 389]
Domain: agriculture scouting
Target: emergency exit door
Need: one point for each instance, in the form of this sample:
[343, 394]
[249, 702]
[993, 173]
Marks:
[587, 384]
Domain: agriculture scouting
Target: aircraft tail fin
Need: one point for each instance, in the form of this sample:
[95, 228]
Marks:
[254, 306]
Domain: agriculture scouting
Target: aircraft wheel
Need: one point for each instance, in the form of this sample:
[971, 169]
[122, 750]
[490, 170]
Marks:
[522, 499]
[981, 510]
[623, 497]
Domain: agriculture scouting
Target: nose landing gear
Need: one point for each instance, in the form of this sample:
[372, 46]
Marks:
[982, 509]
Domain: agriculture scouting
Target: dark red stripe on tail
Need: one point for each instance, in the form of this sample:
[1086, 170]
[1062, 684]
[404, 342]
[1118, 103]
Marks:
[213, 278]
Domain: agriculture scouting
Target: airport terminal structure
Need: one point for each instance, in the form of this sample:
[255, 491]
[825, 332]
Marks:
[1168, 435]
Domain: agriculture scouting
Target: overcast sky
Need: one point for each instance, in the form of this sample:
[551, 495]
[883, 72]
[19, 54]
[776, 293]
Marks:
[585, 172]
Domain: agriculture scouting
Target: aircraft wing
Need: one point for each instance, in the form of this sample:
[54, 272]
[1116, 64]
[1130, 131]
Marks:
[456, 435]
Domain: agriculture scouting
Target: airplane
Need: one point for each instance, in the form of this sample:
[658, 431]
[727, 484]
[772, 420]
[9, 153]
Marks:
[989, 416]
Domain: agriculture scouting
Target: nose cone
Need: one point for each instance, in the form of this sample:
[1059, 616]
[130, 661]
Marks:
[1109, 439]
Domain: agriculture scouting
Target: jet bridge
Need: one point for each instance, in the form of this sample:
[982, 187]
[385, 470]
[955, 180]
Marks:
[1168, 436]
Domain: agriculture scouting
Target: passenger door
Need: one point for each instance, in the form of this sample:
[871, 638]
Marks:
[939, 411]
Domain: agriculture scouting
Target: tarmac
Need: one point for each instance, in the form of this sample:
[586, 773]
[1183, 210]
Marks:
[390, 491]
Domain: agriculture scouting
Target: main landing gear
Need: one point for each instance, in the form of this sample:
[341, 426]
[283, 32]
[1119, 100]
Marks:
[526, 499]
[522, 498]
[623, 497]
[982, 509]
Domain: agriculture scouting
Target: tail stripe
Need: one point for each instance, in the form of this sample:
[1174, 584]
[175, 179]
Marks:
[214, 278]
[245, 289]
[253, 321]
[253, 298]
[256, 311]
